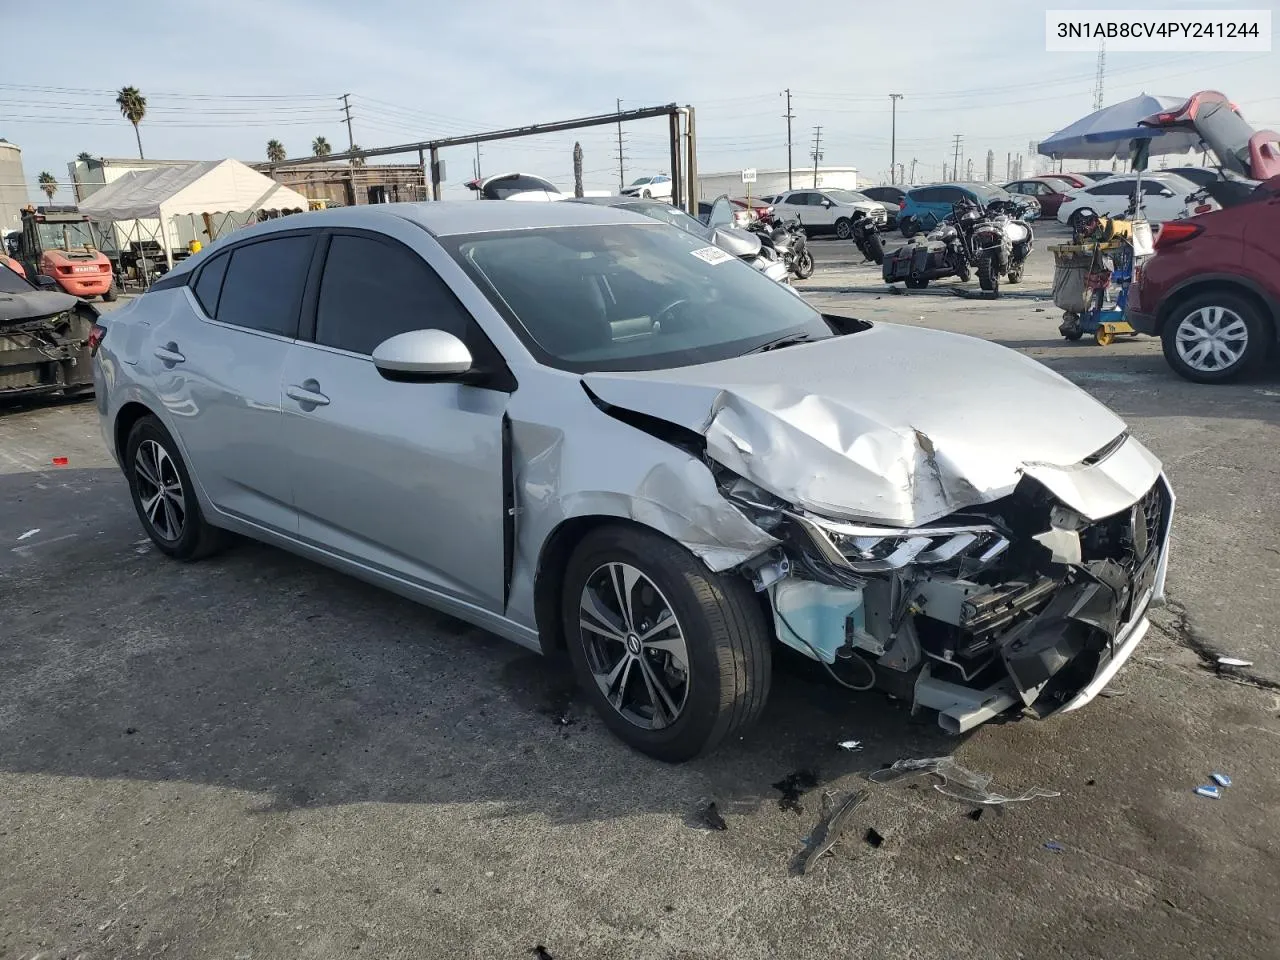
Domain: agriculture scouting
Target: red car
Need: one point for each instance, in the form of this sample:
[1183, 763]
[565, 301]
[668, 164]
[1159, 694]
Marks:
[1211, 292]
[1077, 181]
[1048, 190]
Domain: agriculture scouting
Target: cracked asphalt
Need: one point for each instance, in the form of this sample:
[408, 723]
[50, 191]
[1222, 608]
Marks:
[254, 757]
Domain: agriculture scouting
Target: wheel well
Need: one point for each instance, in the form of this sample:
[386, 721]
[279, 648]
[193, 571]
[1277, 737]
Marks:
[129, 414]
[1211, 286]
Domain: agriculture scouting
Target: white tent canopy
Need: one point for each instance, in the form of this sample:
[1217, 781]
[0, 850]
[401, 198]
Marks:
[206, 186]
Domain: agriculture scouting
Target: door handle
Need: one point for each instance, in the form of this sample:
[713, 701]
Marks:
[169, 353]
[307, 393]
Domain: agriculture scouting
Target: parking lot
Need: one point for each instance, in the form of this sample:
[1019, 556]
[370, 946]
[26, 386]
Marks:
[255, 757]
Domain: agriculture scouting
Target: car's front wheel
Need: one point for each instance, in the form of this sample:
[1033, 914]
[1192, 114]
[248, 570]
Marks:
[163, 494]
[674, 658]
[1215, 337]
[844, 229]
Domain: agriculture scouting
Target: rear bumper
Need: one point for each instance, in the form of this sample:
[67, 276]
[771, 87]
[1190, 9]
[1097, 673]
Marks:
[1141, 321]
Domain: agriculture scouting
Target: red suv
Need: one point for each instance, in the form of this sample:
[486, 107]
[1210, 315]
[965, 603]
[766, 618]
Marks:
[1211, 292]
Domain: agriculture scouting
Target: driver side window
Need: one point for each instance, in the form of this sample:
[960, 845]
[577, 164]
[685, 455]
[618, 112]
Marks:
[373, 289]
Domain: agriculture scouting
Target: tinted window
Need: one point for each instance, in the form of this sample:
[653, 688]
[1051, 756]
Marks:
[1017, 188]
[209, 285]
[949, 194]
[1112, 188]
[520, 183]
[1150, 187]
[263, 286]
[891, 194]
[797, 199]
[926, 195]
[629, 296]
[10, 282]
[372, 290]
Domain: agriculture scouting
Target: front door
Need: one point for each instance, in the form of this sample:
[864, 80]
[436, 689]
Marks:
[216, 366]
[403, 478]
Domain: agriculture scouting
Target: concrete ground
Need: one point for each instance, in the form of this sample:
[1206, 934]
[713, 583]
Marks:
[253, 757]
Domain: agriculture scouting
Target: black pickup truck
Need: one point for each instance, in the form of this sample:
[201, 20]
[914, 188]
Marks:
[44, 339]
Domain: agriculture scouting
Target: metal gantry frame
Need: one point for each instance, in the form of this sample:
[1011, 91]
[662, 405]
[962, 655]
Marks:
[682, 133]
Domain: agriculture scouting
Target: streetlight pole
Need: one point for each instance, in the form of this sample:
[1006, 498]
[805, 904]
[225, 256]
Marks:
[893, 135]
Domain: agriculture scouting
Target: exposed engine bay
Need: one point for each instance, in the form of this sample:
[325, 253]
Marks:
[1018, 603]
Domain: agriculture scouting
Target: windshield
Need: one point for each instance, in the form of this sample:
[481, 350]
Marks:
[846, 196]
[671, 215]
[66, 236]
[640, 181]
[721, 213]
[10, 282]
[629, 296]
[988, 193]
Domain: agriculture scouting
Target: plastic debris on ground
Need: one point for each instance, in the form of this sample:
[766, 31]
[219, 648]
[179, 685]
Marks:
[850, 744]
[956, 781]
[29, 534]
[1221, 779]
[1209, 790]
[60, 461]
[1233, 662]
[1054, 846]
[792, 786]
[712, 818]
[827, 832]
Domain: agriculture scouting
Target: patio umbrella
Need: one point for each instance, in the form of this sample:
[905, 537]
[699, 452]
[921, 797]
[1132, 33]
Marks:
[1105, 134]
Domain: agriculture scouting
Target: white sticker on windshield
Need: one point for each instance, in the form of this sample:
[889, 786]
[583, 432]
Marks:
[712, 255]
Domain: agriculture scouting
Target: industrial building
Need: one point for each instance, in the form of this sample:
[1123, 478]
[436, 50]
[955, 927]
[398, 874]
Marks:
[340, 183]
[13, 187]
[768, 182]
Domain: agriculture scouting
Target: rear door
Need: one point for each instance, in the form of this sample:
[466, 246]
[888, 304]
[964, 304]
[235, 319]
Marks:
[402, 478]
[217, 367]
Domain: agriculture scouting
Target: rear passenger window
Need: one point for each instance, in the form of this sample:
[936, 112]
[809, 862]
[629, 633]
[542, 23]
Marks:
[372, 290]
[209, 285]
[263, 286]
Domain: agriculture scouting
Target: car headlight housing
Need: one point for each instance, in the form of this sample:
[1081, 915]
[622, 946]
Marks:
[875, 549]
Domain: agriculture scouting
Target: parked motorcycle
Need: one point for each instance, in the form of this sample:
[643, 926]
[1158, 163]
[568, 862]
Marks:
[744, 244]
[945, 252]
[788, 240]
[866, 237]
[1000, 244]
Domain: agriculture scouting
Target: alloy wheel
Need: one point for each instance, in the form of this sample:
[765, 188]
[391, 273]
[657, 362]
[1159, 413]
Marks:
[160, 490]
[634, 646]
[1212, 339]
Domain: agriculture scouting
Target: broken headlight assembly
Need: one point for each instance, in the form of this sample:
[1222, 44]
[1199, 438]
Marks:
[866, 548]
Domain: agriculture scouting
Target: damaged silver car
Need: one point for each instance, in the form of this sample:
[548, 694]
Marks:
[580, 428]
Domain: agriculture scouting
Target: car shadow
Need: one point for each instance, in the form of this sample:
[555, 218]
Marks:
[264, 673]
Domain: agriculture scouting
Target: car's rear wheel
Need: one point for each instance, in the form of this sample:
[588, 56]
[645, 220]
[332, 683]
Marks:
[164, 496]
[908, 227]
[844, 229]
[1215, 337]
[674, 658]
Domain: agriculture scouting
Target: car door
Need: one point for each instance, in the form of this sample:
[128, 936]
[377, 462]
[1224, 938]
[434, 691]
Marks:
[405, 479]
[791, 204]
[216, 368]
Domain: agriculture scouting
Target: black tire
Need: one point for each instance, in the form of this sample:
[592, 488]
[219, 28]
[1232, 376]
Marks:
[988, 279]
[962, 273]
[1015, 272]
[112, 293]
[725, 633]
[917, 283]
[804, 265]
[908, 227]
[195, 539]
[1254, 344]
[645, 195]
[875, 249]
[844, 229]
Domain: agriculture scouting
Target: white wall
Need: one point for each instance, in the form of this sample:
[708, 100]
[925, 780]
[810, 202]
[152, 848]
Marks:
[712, 185]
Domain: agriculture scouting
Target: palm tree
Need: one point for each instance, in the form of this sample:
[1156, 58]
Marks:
[275, 151]
[84, 155]
[48, 183]
[358, 159]
[320, 147]
[133, 107]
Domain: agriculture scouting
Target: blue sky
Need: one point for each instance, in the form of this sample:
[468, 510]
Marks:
[223, 79]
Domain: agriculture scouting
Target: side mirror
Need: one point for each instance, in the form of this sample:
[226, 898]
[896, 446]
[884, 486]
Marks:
[422, 356]
[827, 203]
[1166, 192]
[45, 282]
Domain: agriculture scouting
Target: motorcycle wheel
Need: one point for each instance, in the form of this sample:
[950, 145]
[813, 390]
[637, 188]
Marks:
[874, 249]
[908, 227]
[1015, 272]
[804, 266]
[917, 283]
[988, 279]
[962, 273]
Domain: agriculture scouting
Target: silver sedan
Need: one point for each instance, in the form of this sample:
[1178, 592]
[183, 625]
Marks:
[578, 427]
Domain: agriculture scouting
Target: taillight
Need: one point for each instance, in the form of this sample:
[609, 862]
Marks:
[64, 269]
[902, 204]
[1174, 232]
[1203, 208]
[96, 333]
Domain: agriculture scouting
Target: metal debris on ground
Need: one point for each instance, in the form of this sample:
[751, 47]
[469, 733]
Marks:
[1209, 790]
[850, 744]
[792, 786]
[956, 781]
[827, 832]
[712, 818]
[29, 534]
[1221, 779]
[1054, 846]
[1233, 662]
[873, 837]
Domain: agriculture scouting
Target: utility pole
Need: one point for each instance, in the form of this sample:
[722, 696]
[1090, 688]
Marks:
[788, 116]
[477, 161]
[893, 133]
[955, 163]
[622, 177]
[346, 107]
[913, 170]
[817, 153]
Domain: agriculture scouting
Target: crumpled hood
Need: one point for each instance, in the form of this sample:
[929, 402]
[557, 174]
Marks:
[34, 304]
[897, 424]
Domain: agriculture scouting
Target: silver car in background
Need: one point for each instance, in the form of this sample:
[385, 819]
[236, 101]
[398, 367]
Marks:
[581, 428]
